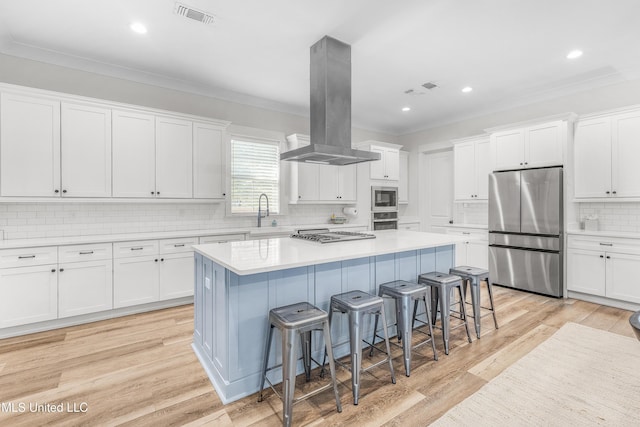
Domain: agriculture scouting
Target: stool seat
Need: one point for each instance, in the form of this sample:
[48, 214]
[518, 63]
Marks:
[355, 300]
[442, 285]
[439, 278]
[296, 322]
[468, 270]
[474, 276]
[297, 315]
[404, 294]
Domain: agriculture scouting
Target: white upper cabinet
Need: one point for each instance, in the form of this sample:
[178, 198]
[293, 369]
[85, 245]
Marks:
[174, 158]
[403, 178]
[388, 167]
[208, 162]
[29, 146]
[606, 154]
[134, 157]
[314, 183]
[471, 165]
[85, 150]
[529, 147]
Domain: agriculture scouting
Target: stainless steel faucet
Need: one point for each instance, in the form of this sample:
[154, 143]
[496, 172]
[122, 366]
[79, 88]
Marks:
[260, 216]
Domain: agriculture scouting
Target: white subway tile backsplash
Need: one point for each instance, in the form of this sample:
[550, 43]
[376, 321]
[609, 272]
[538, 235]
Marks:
[613, 216]
[36, 220]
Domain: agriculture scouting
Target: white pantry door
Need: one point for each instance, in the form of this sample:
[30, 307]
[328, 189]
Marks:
[437, 193]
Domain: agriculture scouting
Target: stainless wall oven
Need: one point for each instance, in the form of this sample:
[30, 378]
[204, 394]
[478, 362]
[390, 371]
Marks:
[384, 199]
[384, 220]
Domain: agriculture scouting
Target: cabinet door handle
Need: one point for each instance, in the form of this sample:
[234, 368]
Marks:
[601, 256]
[64, 191]
[614, 192]
[178, 245]
[466, 232]
[26, 256]
[61, 270]
[53, 270]
[526, 163]
[56, 191]
[137, 249]
[608, 257]
[608, 192]
[85, 252]
[606, 244]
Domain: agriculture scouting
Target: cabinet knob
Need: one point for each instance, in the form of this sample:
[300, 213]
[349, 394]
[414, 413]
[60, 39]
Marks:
[156, 260]
[608, 192]
[53, 270]
[299, 197]
[157, 193]
[608, 257]
[61, 270]
[614, 192]
[601, 256]
[526, 163]
[64, 191]
[162, 259]
[520, 163]
[153, 192]
[224, 194]
[56, 191]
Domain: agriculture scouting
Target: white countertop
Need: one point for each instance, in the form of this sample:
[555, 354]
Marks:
[463, 225]
[627, 234]
[260, 256]
[124, 237]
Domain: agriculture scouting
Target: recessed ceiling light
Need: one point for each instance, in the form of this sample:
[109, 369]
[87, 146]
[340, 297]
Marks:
[574, 54]
[406, 109]
[138, 27]
[467, 89]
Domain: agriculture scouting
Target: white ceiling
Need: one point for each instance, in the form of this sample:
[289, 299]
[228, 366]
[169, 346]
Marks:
[257, 52]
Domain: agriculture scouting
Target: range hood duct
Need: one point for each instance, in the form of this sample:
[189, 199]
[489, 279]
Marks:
[330, 109]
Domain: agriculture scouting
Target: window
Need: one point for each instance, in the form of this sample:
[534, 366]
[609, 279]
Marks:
[255, 169]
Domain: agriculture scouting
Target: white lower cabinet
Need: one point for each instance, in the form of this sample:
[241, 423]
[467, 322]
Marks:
[475, 251]
[135, 281]
[605, 267]
[28, 295]
[85, 287]
[176, 275]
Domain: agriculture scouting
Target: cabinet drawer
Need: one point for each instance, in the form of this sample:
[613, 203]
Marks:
[221, 238]
[593, 243]
[135, 249]
[172, 246]
[476, 234]
[92, 252]
[26, 257]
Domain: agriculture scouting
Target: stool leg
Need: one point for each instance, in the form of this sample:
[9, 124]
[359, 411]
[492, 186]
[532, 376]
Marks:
[464, 316]
[493, 309]
[375, 330]
[306, 353]
[428, 314]
[289, 362]
[267, 347]
[475, 303]
[355, 341]
[434, 304]
[386, 340]
[324, 357]
[404, 325]
[332, 367]
[444, 317]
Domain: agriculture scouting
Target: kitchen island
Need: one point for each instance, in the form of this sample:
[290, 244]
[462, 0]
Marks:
[237, 283]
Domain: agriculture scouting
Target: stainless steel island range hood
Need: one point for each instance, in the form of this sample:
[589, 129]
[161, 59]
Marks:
[330, 108]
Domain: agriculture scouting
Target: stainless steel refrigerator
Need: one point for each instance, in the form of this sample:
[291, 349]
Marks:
[525, 230]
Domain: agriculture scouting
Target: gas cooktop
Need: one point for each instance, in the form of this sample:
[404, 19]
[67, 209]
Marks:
[323, 235]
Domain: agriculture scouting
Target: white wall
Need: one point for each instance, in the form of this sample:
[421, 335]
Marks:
[22, 220]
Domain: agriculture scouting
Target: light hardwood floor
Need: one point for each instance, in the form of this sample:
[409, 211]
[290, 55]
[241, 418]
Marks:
[140, 370]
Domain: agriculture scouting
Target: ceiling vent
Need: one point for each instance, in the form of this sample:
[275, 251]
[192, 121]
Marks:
[429, 85]
[191, 13]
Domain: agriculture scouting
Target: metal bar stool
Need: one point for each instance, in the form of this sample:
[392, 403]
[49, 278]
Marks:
[293, 320]
[474, 276]
[356, 304]
[403, 294]
[442, 285]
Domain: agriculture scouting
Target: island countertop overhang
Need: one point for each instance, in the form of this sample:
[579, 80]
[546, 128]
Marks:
[266, 255]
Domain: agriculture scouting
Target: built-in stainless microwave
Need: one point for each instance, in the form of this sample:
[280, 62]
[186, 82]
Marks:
[384, 199]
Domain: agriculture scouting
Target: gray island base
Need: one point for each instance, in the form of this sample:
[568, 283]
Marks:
[237, 283]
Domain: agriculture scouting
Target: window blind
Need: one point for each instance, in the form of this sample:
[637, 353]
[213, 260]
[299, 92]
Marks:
[255, 169]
